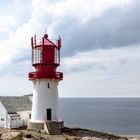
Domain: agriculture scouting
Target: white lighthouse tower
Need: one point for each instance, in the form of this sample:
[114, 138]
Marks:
[45, 79]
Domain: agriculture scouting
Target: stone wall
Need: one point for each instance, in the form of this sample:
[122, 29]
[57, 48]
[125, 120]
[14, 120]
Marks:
[35, 126]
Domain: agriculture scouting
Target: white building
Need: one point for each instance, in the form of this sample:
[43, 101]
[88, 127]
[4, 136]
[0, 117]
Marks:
[15, 111]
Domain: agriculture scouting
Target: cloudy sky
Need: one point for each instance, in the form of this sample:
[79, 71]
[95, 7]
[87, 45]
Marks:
[100, 56]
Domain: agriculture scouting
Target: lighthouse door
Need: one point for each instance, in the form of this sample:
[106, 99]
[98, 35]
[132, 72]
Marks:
[49, 114]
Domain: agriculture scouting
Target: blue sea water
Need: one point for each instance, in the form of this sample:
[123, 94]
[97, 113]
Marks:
[114, 115]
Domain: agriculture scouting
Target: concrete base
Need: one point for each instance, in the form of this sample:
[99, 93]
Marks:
[35, 125]
[51, 127]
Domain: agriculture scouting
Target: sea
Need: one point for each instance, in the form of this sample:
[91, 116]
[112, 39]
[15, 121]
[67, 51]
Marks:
[113, 115]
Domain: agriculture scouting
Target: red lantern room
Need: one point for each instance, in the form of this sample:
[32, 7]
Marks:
[45, 58]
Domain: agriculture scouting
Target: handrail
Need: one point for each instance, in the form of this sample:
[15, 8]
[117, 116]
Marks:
[55, 118]
[39, 75]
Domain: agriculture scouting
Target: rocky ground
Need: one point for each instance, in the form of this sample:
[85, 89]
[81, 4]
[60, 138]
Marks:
[85, 134]
[68, 134]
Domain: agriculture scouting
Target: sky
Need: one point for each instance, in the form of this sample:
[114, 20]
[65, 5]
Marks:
[100, 55]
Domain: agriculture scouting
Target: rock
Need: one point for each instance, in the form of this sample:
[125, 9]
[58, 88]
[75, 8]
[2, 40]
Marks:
[85, 134]
[27, 138]
[10, 135]
[91, 138]
[134, 139]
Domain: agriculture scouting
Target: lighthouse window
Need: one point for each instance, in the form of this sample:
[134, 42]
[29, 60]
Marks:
[29, 116]
[2, 119]
[48, 85]
[56, 56]
[37, 55]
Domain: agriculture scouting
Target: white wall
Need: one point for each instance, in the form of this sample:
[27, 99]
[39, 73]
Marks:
[3, 116]
[8, 121]
[24, 117]
[44, 98]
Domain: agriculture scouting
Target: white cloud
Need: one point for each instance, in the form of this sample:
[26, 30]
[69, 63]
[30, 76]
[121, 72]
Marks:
[14, 85]
[10, 17]
[44, 14]
[102, 58]
[108, 73]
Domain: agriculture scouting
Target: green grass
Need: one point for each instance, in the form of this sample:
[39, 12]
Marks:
[17, 138]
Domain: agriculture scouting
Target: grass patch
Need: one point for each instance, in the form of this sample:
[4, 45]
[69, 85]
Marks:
[19, 137]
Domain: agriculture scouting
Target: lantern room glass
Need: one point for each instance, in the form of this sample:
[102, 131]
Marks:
[56, 56]
[37, 55]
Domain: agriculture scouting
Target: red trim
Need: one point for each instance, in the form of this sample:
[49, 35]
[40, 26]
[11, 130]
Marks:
[42, 75]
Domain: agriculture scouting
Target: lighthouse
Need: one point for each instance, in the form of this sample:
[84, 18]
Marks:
[45, 79]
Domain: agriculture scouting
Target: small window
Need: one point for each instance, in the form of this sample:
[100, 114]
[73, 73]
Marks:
[29, 116]
[2, 119]
[12, 119]
[48, 85]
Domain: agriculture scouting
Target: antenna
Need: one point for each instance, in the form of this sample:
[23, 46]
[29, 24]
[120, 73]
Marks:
[45, 31]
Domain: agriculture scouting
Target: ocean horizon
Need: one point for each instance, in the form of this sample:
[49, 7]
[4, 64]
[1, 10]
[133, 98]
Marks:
[113, 115]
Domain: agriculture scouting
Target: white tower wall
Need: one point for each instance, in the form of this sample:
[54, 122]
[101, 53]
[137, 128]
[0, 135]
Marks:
[45, 96]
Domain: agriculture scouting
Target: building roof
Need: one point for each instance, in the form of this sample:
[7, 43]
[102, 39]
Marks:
[14, 104]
